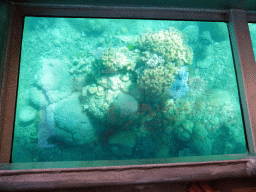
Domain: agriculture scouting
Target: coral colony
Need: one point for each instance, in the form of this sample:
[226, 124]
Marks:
[142, 99]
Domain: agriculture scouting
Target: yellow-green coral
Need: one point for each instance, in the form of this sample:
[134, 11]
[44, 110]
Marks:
[156, 80]
[117, 59]
[163, 54]
[168, 44]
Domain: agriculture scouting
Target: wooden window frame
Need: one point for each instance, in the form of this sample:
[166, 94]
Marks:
[57, 175]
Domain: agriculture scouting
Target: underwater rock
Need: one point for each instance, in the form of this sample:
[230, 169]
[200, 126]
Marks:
[183, 130]
[122, 142]
[192, 33]
[27, 114]
[217, 30]
[37, 97]
[186, 152]
[145, 147]
[163, 152]
[122, 109]
[54, 80]
[73, 125]
[200, 140]
[180, 86]
[91, 27]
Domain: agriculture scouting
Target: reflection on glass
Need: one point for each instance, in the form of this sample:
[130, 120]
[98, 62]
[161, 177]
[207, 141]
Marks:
[108, 89]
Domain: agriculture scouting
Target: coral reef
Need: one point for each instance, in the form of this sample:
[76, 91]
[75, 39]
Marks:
[163, 54]
[125, 96]
[81, 65]
[156, 80]
[155, 61]
[98, 97]
[180, 87]
[37, 97]
[118, 59]
[169, 44]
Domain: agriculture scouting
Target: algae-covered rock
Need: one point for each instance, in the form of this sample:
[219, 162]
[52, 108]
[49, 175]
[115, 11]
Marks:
[122, 109]
[122, 142]
[54, 80]
[183, 130]
[200, 140]
[27, 114]
[37, 97]
[92, 27]
[192, 33]
[73, 125]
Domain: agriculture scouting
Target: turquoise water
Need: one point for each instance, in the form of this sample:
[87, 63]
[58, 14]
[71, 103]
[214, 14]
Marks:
[109, 89]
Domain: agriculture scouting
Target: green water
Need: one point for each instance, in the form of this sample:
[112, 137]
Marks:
[109, 89]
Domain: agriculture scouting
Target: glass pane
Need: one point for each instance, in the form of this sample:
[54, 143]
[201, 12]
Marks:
[120, 89]
[252, 28]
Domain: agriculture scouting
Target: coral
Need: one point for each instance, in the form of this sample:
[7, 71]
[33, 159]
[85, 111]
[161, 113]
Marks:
[81, 65]
[163, 53]
[180, 87]
[156, 80]
[99, 97]
[183, 130]
[200, 140]
[155, 61]
[118, 59]
[198, 86]
[98, 52]
[169, 44]
[169, 109]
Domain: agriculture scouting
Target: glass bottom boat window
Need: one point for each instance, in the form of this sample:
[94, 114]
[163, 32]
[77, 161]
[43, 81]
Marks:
[252, 28]
[120, 89]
